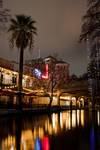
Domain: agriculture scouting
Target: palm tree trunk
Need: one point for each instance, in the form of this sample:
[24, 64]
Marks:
[20, 87]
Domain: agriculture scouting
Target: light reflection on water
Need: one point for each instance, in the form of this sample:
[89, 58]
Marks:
[34, 133]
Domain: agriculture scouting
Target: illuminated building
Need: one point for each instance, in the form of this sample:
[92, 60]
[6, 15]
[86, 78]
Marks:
[50, 60]
[40, 69]
[44, 68]
[46, 74]
[59, 69]
[62, 71]
[9, 74]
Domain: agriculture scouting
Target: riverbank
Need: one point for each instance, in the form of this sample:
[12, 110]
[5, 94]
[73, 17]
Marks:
[40, 110]
[33, 110]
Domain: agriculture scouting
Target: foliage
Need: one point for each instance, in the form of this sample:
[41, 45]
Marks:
[74, 77]
[90, 33]
[84, 76]
[22, 31]
[91, 21]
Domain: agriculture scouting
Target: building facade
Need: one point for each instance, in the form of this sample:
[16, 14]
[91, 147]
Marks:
[9, 74]
[49, 67]
[59, 70]
[62, 72]
[44, 69]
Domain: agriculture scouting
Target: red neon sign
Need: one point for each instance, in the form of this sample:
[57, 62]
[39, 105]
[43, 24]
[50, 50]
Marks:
[45, 75]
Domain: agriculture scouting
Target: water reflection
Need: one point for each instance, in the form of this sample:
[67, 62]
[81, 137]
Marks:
[92, 139]
[35, 133]
[98, 117]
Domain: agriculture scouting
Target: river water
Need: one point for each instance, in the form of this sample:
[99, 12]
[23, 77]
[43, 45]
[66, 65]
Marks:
[67, 130]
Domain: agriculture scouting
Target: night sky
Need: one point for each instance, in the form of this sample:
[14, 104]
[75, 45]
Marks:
[58, 23]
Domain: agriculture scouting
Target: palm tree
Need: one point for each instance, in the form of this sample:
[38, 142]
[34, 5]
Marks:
[22, 32]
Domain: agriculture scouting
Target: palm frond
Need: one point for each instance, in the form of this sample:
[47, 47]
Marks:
[22, 31]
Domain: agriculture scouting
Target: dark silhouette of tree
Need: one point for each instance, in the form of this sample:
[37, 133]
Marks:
[4, 17]
[91, 21]
[90, 33]
[22, 32]
[74, 77]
